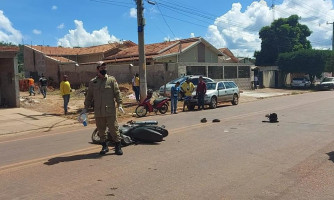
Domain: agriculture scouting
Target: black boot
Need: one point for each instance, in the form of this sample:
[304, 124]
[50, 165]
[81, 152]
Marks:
[104, 149]
[118, 150]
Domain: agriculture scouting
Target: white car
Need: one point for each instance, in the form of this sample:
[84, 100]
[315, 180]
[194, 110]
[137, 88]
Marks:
[300, 83]
[326, 84]
[221, 91]
[165, 91]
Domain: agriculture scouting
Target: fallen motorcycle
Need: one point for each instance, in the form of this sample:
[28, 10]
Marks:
[135, 132]
[160, 105]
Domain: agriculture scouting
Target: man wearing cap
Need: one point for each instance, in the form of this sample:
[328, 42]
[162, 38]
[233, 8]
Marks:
[104, 91]
[65, 92]
[187, 88]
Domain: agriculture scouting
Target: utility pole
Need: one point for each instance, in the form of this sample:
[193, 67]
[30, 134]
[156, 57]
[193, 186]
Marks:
[332, 35]
[141, 50]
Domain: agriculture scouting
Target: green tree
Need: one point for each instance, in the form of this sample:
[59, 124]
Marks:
[284, 35]
[308, 61]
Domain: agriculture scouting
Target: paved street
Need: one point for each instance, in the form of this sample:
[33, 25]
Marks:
[240, 157]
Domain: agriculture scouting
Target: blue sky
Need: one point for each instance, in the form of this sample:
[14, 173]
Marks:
[224, 23]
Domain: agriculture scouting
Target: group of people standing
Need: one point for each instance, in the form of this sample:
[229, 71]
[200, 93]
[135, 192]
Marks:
[187, 88]
[43, 82]
[65, 89]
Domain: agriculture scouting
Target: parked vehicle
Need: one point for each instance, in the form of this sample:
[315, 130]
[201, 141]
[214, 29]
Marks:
[193, 79]
[326, 84]
[221, 91]
[160, 104]
[300, 83]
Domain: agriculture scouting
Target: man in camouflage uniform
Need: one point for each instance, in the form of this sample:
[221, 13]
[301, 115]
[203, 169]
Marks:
[104, 91]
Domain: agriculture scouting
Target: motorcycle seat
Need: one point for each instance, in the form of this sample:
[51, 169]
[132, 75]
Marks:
[157, 101]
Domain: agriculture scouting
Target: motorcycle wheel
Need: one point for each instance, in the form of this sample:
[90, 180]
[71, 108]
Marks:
[163, 109]
[141, 111]
[96, 137]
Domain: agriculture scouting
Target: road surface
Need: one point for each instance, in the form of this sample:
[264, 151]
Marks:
[241, 157]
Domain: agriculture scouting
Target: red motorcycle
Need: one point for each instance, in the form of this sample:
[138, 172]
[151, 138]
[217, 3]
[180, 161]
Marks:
[160, 105]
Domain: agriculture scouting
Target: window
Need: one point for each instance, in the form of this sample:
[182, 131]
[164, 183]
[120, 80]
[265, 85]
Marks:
[221, 86]
[244, 71]
[230, 72]
[211, 86]
[216, 72]
[230, 85]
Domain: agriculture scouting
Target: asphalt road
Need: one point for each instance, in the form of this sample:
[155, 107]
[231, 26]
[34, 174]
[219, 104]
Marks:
[240, 157]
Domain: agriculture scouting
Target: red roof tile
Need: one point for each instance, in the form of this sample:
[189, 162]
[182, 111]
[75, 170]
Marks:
[60, 51]
[227, 52]
[156, 49]
[9, 48]
[62, 59]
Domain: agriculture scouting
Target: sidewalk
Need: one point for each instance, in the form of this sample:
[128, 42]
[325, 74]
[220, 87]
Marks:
[19, 120]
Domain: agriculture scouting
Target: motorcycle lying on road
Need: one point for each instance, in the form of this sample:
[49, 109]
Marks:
[135, 132]
[160, 105]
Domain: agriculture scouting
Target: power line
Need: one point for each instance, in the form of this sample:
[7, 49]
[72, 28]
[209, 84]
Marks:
[165, 20]
[116, 3]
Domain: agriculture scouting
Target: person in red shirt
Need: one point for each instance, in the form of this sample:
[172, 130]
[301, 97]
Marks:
[200, 92]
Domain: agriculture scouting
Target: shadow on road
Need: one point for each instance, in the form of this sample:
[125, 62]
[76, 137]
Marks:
[331, 156]
[58, 160]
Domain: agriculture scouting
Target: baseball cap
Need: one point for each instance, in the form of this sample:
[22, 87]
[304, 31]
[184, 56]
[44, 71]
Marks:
[100, 63]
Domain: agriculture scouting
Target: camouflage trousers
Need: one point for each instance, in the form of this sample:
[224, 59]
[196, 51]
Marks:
[111, 122]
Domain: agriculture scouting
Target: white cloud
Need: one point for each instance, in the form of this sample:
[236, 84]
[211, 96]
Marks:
[37, 32]
[80, 37]
[54, 7]
[239, 31]
[133, 12]
[171, 39]
[61, 26]
[192, 35]
[7, 32]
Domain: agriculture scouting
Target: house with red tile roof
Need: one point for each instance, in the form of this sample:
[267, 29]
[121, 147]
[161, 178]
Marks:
[9, 83]
[165, 61]
[47, 60]
[177, 51]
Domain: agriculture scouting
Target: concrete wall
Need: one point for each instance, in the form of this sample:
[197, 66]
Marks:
[243, 83]
[36, 62]
[86, 58]
[269, 76]
[269, 79]
[9, 84]
[210, 56]
[156, 75]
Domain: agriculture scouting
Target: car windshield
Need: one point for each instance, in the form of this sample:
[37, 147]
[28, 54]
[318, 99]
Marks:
[211, 86]
[328, 79]
[181, 79]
